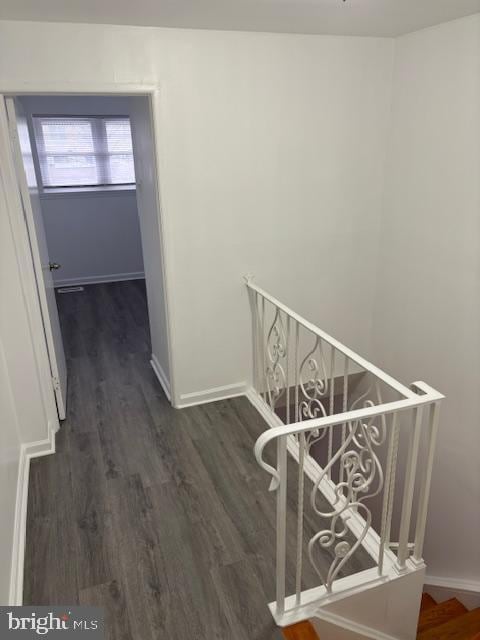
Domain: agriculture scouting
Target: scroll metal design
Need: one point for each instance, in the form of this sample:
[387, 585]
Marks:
[313, 383]
[363, 478]
[276, 354]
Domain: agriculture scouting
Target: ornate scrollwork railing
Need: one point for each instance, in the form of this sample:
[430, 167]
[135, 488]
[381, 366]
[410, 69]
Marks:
[326, 406]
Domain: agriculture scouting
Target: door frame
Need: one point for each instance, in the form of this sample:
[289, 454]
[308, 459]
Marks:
[20, 233]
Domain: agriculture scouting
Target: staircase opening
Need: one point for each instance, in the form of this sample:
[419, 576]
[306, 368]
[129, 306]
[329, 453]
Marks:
[359, 447]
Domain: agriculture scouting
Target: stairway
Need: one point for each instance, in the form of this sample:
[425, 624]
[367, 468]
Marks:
[448, 620]
[300, 631]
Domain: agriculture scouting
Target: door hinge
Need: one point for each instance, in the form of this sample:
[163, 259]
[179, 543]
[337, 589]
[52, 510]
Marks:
[56, 383]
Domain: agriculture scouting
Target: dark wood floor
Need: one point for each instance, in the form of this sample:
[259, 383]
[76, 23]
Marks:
[161, 516]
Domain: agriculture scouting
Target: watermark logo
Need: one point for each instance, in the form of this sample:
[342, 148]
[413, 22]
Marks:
[83, 623]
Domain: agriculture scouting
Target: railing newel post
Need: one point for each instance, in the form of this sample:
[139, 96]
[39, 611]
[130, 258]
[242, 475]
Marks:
[287, 367]
[254, 295]
[388, 491]
[408, 493]
[281, 522]
[297, 338]
[263, 356]
[426, 482]
[300, 511]
[344, 408]
[331, 407]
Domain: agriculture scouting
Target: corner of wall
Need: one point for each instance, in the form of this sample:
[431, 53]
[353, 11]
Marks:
[27, 452]
[162, 377]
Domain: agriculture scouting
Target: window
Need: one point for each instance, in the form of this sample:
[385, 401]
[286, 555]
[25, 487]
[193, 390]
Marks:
[88, 151]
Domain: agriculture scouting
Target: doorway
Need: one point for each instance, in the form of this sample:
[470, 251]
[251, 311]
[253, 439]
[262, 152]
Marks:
[85, 168]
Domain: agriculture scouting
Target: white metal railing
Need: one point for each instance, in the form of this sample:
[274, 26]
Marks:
[343, 420]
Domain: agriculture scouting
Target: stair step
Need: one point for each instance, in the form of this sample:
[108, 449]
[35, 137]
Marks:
[427, 602]
[300, 631]
[463, 628]
[439, 614]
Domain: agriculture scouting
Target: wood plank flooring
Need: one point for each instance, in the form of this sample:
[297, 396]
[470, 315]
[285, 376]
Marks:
[160, 516]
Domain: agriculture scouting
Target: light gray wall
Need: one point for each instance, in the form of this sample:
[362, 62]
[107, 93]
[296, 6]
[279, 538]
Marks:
[427, 316]
[95, 236]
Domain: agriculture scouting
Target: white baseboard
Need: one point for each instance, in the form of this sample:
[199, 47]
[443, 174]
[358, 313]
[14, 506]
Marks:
[263, 409]
[109, 277]
[344, 628]
[162, 378]
[442, 588]
[27, 452]
[212, 395]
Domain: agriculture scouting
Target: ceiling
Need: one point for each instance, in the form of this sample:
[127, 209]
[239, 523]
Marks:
[336, 17]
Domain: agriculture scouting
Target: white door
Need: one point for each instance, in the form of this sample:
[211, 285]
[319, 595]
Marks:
[27, 184]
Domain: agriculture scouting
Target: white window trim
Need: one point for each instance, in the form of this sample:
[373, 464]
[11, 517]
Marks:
[77, 190]
[109, 191]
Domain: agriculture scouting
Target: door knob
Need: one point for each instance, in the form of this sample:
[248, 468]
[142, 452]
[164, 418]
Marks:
[53, 266]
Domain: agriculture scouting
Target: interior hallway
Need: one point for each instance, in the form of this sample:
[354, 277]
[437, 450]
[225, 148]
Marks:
[161, 516]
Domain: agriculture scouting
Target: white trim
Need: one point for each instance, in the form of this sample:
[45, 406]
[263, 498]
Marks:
[156, 103]
[263, 409]
[354, 627]
[162, 378]
[27, 452]
[442, 588]
[212, 395]
[88, 192]
[454, 584]
[109, 277]
[314, 599]
[65, 87]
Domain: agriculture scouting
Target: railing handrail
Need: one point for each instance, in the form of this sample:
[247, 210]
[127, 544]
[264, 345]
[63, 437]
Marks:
[349, 353]
[429, 396]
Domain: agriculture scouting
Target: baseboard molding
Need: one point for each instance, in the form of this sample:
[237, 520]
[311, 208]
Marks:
[162, 378]
[212, 395]
[355, 628]
[27, 452]
[263, 409]
[109, 277]
[442, 588]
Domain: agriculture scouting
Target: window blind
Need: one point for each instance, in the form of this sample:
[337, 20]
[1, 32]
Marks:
[76, 151]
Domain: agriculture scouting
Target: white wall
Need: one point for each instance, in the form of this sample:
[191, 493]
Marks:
[273, 153]
[94, 235]
[427, 317]
[271, 157]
